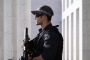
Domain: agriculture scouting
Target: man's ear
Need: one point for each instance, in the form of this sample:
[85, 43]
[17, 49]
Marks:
[44, 17]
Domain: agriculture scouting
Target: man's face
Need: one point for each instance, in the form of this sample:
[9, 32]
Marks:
[38, 19]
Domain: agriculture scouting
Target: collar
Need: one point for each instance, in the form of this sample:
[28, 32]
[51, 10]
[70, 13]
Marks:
[46, 28]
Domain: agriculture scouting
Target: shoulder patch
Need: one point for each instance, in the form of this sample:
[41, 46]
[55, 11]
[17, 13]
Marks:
[46, 36]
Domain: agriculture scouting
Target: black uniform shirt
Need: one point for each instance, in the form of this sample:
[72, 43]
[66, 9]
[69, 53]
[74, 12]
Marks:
[50, 43]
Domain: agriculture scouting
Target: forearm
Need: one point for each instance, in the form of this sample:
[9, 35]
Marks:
[38, 58]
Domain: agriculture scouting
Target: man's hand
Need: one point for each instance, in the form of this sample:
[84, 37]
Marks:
[38, 58]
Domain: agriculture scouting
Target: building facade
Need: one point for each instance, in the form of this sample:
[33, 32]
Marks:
[75, 29]
[15, 16]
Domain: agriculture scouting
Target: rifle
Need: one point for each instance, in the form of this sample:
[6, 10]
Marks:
[30, 50]
[25, 51]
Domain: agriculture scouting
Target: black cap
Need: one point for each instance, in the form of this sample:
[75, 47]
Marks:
[45, 10]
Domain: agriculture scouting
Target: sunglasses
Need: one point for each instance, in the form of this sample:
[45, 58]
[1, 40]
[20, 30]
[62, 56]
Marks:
[38, 15]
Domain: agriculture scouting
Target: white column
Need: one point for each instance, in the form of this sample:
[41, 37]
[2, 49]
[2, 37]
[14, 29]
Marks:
[72, 19]
[63, 34]
[20, 26]
[80, 32]
[74, 37]
[69, 37]
[7, 29]
[66, 39]
[14, 30]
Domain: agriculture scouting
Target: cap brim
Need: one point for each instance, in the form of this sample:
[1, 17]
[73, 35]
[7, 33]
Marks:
[35, 12]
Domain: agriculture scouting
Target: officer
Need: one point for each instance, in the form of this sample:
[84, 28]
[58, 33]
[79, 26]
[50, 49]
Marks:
[48, 43]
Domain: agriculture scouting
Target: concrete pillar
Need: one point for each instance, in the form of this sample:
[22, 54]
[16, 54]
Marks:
[7, 29]
[86, 29]
[20, 26]
[14, 29]
[1, 30]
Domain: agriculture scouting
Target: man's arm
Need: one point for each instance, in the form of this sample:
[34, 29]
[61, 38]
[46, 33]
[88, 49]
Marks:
[50, 48]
